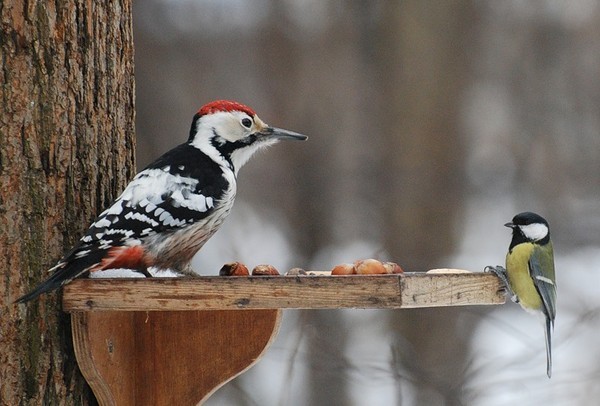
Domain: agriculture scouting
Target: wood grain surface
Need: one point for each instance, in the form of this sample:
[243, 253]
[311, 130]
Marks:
[408, 290]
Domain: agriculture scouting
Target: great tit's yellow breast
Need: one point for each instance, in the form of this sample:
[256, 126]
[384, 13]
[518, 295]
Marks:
[517, 267]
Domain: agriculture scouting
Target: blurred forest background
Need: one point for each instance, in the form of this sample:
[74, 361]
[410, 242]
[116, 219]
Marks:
[431, 124]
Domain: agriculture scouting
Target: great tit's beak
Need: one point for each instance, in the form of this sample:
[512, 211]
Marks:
[281, 134]
[509, 225]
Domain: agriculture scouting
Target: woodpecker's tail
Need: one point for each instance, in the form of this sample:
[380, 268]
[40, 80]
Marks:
[548, 333]
[64, 272]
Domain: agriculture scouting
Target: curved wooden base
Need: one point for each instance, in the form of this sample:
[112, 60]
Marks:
[168, 357]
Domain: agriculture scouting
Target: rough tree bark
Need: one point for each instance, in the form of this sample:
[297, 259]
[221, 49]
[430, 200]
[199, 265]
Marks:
[66, 150]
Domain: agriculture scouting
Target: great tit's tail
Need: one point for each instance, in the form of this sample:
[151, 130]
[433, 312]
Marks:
[548, 333]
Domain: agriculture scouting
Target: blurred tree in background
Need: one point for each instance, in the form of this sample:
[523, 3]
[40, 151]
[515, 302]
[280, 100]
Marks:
[431, 124]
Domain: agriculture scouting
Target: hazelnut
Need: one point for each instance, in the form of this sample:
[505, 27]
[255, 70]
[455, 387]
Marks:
[234, 269]
[343, 269]
[264, 270]
[296, 272]
[392, 267]
[369, 267]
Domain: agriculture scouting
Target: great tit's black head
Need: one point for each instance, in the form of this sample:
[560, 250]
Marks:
[529, 226]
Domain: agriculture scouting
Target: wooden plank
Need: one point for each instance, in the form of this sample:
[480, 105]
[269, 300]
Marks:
[393, 291]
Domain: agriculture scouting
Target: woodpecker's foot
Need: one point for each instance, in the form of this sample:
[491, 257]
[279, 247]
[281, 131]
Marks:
[187, 271]
[500, 272]
[145, 272]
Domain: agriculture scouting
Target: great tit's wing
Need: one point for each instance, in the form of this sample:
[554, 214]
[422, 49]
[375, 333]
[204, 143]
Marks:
[541, 269]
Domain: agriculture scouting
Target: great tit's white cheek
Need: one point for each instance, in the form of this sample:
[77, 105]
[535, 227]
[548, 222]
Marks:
[535, 231]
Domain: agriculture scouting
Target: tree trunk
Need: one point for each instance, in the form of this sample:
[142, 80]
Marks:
[423, 68]
[66, 150]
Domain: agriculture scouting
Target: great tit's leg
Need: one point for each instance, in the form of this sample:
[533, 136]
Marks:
[500, 272]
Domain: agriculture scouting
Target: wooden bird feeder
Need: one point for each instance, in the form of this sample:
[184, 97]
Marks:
[174, 341]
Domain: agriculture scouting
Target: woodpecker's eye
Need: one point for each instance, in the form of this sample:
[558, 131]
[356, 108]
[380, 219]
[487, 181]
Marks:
[246, 122]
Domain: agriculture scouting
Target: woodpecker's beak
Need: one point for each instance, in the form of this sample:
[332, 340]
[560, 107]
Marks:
[281, 134]
[509, 225]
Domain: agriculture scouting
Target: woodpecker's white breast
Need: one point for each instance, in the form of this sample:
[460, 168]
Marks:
[177, 248]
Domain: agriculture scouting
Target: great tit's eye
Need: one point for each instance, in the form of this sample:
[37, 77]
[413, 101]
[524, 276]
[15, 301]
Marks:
[246, 122]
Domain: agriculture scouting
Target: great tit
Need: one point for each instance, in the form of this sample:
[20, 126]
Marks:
[529, 274]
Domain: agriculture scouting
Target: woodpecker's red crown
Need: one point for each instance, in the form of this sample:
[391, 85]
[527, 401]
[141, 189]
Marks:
[225, 105]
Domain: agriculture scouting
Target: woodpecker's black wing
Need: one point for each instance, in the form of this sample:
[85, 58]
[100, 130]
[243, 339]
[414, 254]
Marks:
[180, 188]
